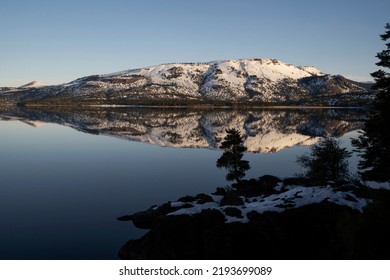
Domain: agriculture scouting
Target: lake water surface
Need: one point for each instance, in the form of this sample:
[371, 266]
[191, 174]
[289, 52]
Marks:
[66, 175]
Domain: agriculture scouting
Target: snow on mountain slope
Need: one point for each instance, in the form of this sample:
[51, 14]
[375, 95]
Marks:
[33, 84]
[184, 77]
[275, 70]
[312, 70]
[243, 80]
[233, 78]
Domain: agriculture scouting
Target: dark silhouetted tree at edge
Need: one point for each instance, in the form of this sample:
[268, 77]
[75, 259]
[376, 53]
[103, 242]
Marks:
[231, 159]
[327, 161]
[374, 142]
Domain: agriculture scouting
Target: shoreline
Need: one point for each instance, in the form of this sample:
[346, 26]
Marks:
[250, 221]
[203, 106]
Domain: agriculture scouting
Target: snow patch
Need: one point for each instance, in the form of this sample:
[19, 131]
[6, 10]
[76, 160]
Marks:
[291, 197]
[378, 185]
[34, 84]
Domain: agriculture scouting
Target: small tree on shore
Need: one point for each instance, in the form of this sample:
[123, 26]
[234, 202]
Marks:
[231, 159]
[327, 161]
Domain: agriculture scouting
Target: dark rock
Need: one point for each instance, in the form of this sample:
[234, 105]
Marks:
[252, 215]
[166, 208]
[363, 192]
[295, 181]
[233, 212]
[187, 198]
[211, 217]
[248, 188]
[171, 237]
[265, 185]
[231, 198]
[203, 198]
[145, 219]
[176, 237]
[309, 232]
[219, 191]
[269, 182]
[125, 218]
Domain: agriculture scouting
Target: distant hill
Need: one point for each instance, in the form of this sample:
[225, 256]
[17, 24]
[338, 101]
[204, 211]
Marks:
[33, 84]
[227, 82]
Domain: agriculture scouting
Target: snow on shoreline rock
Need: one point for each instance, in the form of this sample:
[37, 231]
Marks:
[288, 221]
[260, 196]
[378, 185]
[291, 197]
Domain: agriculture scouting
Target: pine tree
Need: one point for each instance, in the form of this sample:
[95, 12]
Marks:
[382, 78]
[327, 161]
[231, 159]
[374, 142]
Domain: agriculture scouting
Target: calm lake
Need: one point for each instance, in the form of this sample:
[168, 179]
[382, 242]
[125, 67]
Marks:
[66, 175]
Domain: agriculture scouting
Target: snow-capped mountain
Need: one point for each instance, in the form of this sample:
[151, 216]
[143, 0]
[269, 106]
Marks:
[33, 84]
[242, 81]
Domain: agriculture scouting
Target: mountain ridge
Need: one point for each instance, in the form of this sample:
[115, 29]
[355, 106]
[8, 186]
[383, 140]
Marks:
[254, 81]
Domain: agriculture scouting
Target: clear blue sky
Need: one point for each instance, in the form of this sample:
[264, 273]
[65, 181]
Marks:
[58, 41]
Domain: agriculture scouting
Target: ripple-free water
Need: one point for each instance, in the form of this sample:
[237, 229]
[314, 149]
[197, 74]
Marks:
[61, 189]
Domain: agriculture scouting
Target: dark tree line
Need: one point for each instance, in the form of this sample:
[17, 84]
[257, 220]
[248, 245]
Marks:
[374, 142]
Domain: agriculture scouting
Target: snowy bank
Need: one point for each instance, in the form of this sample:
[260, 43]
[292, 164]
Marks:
[267, 218]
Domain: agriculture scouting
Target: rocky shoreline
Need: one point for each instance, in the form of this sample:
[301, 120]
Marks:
[264, 218]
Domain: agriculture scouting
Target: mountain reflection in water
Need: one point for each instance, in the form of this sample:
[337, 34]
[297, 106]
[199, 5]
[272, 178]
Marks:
[264, 130]
[62, 190]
